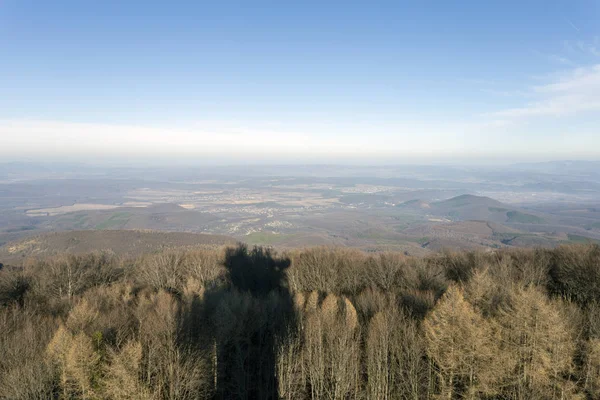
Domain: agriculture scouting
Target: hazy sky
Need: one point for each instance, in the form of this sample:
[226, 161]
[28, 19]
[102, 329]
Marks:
[300, 81]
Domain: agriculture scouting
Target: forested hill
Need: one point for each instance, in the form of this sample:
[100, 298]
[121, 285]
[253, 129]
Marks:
[126, 243]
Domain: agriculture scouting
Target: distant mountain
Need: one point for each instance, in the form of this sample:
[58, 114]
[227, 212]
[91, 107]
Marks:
[468, 200]
[481, 208]
[470, 207]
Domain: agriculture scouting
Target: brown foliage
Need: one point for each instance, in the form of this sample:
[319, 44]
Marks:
[25, 372]
[463, 346]
[316, 323]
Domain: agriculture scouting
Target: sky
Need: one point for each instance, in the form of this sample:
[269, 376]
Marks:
[300, 82]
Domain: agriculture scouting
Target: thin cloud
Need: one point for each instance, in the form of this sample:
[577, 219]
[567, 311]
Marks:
[575, 92]
[561, 60]
[588, 48]
[573, 25]
[555, 58]
[582, 47]
[569, 93]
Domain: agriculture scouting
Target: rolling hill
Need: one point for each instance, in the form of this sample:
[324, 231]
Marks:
[470, 207]
[120, 242]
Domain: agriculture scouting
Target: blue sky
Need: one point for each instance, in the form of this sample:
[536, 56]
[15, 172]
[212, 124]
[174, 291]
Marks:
[303, 81]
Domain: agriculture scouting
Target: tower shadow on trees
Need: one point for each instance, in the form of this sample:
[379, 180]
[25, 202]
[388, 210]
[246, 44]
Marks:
[252, 316]
[256, 271]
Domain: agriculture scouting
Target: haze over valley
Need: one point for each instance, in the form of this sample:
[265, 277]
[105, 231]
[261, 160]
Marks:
[413, 209]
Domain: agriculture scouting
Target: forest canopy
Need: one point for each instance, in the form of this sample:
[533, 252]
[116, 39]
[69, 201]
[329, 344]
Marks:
[317, 323]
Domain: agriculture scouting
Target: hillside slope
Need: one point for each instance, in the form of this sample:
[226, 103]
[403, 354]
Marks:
[470, 207]
[120, 242]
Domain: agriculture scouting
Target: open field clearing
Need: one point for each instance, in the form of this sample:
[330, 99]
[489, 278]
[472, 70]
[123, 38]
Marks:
[50, 212]
[67, 209]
